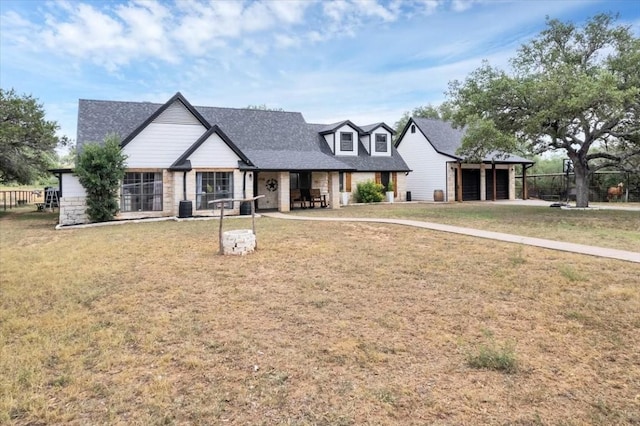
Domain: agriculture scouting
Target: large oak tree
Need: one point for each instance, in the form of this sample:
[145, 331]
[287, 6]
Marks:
[27, 140]
[572, 89]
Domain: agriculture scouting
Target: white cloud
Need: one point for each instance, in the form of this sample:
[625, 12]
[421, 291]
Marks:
[363, 60]
[145, 24]
[286, 41]
[375, 9]
[290, 12]
[462, 5]
[428, 7]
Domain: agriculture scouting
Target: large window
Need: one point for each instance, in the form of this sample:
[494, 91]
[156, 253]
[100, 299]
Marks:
[381, 142]
[346, 141]
[141, 192]
[213, 186]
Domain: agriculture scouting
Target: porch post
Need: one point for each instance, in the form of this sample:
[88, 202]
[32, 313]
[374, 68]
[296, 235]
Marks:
[459, 187]
[283, 192]
[334, 190]
[525, 192]
[495, 182]
[483, 182]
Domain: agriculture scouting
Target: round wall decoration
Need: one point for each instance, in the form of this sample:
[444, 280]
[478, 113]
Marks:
[272, 185]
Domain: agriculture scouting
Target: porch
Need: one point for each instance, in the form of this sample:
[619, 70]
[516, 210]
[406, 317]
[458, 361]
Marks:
[309, 188]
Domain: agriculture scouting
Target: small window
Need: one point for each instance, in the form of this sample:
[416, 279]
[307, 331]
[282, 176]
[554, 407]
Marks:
[213, 186]
[346, 141]
[381, 142]
[413, 128]
[141, 192]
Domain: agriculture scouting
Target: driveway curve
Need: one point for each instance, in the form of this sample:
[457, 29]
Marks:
[628, 256]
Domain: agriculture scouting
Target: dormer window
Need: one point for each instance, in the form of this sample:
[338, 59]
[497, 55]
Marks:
[381, 142]
[346, 141]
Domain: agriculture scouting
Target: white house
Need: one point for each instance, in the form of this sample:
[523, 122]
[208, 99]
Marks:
[181, 157]
[438, 173]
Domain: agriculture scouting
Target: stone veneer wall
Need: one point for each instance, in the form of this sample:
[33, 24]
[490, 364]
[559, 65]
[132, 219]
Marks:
[73, 211]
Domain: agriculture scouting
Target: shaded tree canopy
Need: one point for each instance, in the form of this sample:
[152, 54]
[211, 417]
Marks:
[27, 140]
[571, 89]
[426, 111]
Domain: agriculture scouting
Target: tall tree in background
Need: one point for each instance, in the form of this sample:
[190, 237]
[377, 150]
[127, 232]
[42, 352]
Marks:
[570, 89]
[27, 140]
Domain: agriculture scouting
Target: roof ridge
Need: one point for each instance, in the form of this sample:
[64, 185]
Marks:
[121, 102]
[249, 109]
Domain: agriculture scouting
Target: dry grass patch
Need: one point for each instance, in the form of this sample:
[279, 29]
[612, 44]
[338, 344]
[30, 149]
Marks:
[328, 323]
[617, 229]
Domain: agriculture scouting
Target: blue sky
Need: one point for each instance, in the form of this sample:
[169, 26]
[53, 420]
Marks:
[366, 61]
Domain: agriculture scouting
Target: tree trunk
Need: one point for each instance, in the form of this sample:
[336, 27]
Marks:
[581, 170]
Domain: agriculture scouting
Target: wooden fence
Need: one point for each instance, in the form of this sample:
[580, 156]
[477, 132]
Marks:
[12, 199]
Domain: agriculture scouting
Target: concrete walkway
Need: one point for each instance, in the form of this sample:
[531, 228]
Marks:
[629, 256]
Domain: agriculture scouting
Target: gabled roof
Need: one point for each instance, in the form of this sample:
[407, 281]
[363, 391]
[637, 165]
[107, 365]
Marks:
[274, 140]
[331, 128]
[177, 97]
[364, 162]
[446, 140]
[182, 163]
[371, 127]
[269, 140]
[264, 140]
[97, 119]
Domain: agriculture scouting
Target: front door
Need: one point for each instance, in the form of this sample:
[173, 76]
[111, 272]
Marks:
[301, 181]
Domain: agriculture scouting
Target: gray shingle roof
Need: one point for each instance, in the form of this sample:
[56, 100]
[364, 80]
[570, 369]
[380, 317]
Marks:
[446, 140]
[97, 119]
[371, 127]
[271, 140]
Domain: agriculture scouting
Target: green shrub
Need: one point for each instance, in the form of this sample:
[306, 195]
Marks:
[491, 357]
[370, 192]
[100, 169]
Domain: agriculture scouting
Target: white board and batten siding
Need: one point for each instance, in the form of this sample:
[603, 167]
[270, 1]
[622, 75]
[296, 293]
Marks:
[165, 139]
[71, 186]
[365, 140]
[429, 167]
[214, 153]
[330, 140]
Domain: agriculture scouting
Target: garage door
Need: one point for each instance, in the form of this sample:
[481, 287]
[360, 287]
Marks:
[502, 184]
[470, 184]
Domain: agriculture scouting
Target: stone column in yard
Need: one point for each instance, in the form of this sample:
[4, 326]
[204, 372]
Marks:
[334, 190]
[73, 211]
[283, 191]
[512, 182]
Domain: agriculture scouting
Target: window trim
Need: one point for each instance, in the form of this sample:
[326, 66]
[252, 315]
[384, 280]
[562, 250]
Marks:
[209, 196]
[141, 199]
[383, 137]
[342, 142]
